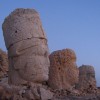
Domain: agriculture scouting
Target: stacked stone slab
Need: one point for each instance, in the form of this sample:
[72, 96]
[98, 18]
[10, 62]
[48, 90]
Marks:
[63, 72]
[3, 64]
[27, 47]
[87, 81]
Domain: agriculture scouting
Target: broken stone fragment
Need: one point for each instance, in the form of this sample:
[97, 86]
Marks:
[63, 71]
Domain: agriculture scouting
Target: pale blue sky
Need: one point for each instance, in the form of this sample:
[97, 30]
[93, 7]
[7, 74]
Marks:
[71, 24]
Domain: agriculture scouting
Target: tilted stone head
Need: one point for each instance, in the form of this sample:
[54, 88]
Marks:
[27, 47]
[63, 72]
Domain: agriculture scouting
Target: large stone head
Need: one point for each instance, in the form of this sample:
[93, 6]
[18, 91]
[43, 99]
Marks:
[63, 73]
[27, 46]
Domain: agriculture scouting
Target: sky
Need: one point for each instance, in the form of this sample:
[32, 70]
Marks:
[71, 24]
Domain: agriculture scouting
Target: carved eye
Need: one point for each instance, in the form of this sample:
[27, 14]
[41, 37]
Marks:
[16, 31]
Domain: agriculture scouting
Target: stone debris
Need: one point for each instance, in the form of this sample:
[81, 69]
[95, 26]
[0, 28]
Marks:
[24, 92]
[46, 94]
[30, 75]
[63, 72]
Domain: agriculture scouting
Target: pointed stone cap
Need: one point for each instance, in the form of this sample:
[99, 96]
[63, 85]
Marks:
[22, 24]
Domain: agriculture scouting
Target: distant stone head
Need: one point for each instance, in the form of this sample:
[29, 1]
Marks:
[87, 81]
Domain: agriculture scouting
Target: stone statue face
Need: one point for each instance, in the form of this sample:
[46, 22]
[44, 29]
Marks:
[27, 46]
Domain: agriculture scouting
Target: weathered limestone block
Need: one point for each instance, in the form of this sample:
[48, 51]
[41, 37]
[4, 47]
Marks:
[63, 72]
[27, 47]
[87, 81]
[3, 64]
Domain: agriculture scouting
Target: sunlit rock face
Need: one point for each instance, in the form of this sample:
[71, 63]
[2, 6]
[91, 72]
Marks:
[27, 47]
[3, 64]
[87, 81]
[63, 72]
